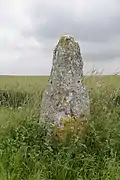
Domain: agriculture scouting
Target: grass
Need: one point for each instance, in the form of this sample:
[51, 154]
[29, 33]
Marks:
[28, 152]
[23, 83]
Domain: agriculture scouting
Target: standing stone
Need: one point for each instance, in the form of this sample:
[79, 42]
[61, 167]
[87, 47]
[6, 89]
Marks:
[65, 95]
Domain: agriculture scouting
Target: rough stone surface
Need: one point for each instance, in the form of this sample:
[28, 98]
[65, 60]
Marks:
[65, 94]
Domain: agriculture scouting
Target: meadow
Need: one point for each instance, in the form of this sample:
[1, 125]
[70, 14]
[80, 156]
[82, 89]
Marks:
[27, 152]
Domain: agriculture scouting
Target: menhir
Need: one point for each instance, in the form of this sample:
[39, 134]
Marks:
[65, 95]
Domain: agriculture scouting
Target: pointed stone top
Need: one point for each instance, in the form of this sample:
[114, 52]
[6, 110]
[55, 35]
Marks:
[67, 37]
[67, 43]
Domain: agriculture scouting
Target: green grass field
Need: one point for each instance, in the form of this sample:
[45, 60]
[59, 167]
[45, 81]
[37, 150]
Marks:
[28, 153]
[31, 83]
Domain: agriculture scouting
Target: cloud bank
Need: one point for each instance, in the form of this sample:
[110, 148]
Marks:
[30, 29]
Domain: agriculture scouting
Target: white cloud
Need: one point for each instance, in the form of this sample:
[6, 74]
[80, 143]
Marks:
[24, 52]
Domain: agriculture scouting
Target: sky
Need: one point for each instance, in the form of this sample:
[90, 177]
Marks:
[30, 30]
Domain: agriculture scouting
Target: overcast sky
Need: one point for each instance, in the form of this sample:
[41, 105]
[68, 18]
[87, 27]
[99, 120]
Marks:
[30, 29]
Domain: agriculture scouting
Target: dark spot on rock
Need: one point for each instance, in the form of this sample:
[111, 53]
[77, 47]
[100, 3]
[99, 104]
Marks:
[57, 104]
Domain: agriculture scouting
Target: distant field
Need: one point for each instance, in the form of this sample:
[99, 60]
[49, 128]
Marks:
[24, 83]
[34, 83]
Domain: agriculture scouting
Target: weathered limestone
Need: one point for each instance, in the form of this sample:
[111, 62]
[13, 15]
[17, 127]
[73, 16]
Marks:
[65, 94]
